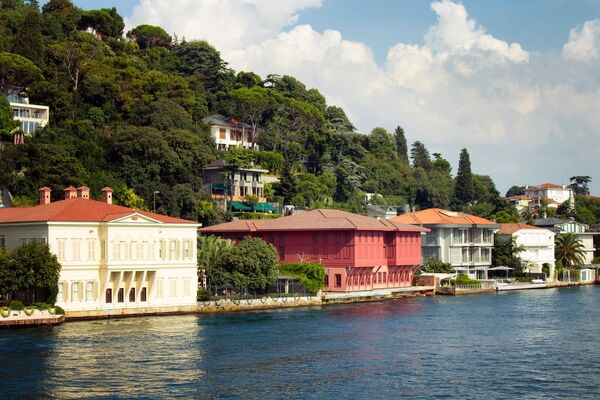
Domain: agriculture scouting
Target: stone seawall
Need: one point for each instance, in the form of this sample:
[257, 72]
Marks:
[224, 305]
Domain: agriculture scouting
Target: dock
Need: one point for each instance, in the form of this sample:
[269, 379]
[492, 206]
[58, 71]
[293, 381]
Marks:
[376, 294]
[18, 319]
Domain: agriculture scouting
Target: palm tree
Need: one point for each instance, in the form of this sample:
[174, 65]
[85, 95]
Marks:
[569, 250]
[210, 252]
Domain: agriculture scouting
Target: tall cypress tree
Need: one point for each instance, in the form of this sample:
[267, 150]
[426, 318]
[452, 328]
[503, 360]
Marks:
[464, 190]
[420, 156]
[401, 146]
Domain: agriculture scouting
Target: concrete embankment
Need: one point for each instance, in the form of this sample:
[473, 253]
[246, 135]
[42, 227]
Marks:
[377, 294]
[18, 319]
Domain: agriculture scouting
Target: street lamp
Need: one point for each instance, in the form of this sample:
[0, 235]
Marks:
[154, 201]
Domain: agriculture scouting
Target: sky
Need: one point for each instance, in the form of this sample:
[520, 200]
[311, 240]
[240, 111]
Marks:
[515, 82]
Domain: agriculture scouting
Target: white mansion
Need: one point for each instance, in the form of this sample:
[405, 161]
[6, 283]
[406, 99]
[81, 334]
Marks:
[115, 260]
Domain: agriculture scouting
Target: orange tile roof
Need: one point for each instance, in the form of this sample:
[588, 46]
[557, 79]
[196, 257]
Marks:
[319, 219]
[437, 216]
[78, 210]
[510, 228]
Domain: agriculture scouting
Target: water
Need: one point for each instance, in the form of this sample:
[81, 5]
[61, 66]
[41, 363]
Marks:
[534, 344]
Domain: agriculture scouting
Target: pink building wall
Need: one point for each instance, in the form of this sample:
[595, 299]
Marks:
[354, 260]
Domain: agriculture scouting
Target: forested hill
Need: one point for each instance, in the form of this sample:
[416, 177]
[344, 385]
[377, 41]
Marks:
[126, 111]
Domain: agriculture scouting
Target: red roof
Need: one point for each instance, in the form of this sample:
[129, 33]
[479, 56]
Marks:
[78, 210]
[510, 228]
[546, 185]
[437, 216]
[320, 219]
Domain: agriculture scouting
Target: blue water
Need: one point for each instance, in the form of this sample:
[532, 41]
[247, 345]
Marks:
[534, 344]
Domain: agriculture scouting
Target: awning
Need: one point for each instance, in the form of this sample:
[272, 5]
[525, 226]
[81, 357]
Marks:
[239, 206]
[264, 207]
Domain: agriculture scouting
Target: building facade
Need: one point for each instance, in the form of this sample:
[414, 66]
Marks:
[114, 259]
[358, 252]
[537, 242]
[580, 230]
[553, 194]
[31, 116]
[228, 132]
[462, 240]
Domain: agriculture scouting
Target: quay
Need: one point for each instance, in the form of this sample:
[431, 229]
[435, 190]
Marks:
[376, 294]
[18, 319]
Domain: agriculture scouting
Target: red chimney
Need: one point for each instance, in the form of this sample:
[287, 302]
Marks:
[70, 193]
[44, 195]
[107, 195]
[83, 192]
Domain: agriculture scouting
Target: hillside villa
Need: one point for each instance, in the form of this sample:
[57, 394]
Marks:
[228, 132]
[462, 240]
[359, 253]
[115, 260]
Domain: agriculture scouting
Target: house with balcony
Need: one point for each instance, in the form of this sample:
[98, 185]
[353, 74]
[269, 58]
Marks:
[538, 244]
[31, 116]
[582, 231]
[228, 132]
[230, 186]
[115, 260]
[554, 195]
[359, 252]
[465, 241]
[521, 202]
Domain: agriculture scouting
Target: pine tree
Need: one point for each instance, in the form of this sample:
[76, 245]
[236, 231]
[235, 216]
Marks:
[420, 156]
[401, 146]
[464, 189]
[287, 183]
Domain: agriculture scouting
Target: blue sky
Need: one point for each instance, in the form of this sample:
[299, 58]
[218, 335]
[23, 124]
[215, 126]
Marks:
[515, 82]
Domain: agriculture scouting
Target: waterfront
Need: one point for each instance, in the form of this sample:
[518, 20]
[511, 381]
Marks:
[531, 344]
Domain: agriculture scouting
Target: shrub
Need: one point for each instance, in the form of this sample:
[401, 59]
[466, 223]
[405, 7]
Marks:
[258, 215]
[5, 312]
[16, 305]
[41, 306]
[203, 295]
[523, 278]
[311, 275]
[463, 279]
[59, 310]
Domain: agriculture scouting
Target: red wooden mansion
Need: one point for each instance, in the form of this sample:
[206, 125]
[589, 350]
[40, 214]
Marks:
[358, 252]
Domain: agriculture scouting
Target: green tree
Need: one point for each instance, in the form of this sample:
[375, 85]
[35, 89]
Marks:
[433, 265]
[17, 73]
[129, 198]
[7, 123]
[250, 106]
[382, 144]
[250, 263]
[569, 250]
[337, 119]
[38, 267]
[106, 21]
[28, 40]
[506, 253]
[579, 184]
[401, 146]
[147, 36]
[420, 156]
[464, 190]
[515, 191]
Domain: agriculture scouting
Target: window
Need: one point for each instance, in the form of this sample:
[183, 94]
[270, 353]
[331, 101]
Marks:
[222, 133]
[186, 286]
[128, 250]
[338, 280]
[139, 250]
[186, 248]
[379, 277]
[132, 295]
[384, 277]
[162, 251]
[159, 288]
[108, 296]
[325, 237]
[2, 241]
[337, 237]
[143, 294]
[121, 295]
[326, 279]
[91, 249]
[62, 293]
[89, 291]
[172, 249]
[75, 291]
[466, 255]
[173, 287]
[116, 250]
[487, 236]
[178, 249]
[485, 255]
[315, 238]
[76, 249]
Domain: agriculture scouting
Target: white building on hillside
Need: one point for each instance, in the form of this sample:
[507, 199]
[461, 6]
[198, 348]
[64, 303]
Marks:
[31, 116]
[580, 230]
[228, 132]
[553, 194]
[538, 243]
[115, 260]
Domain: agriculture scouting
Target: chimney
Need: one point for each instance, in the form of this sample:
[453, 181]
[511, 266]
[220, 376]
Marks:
[83, 192]
[70, 193]
[107, 195]
[44, 195]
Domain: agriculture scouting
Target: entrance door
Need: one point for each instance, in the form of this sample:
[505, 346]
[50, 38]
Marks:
[108, 298]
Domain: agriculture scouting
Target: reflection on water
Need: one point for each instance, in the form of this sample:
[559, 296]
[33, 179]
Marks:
[536, 344]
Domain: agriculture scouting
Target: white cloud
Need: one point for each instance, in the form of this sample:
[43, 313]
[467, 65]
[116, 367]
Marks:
[584, 42]
[227, 24]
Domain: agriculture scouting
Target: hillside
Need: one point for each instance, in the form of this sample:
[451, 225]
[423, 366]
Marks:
[126, 111]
